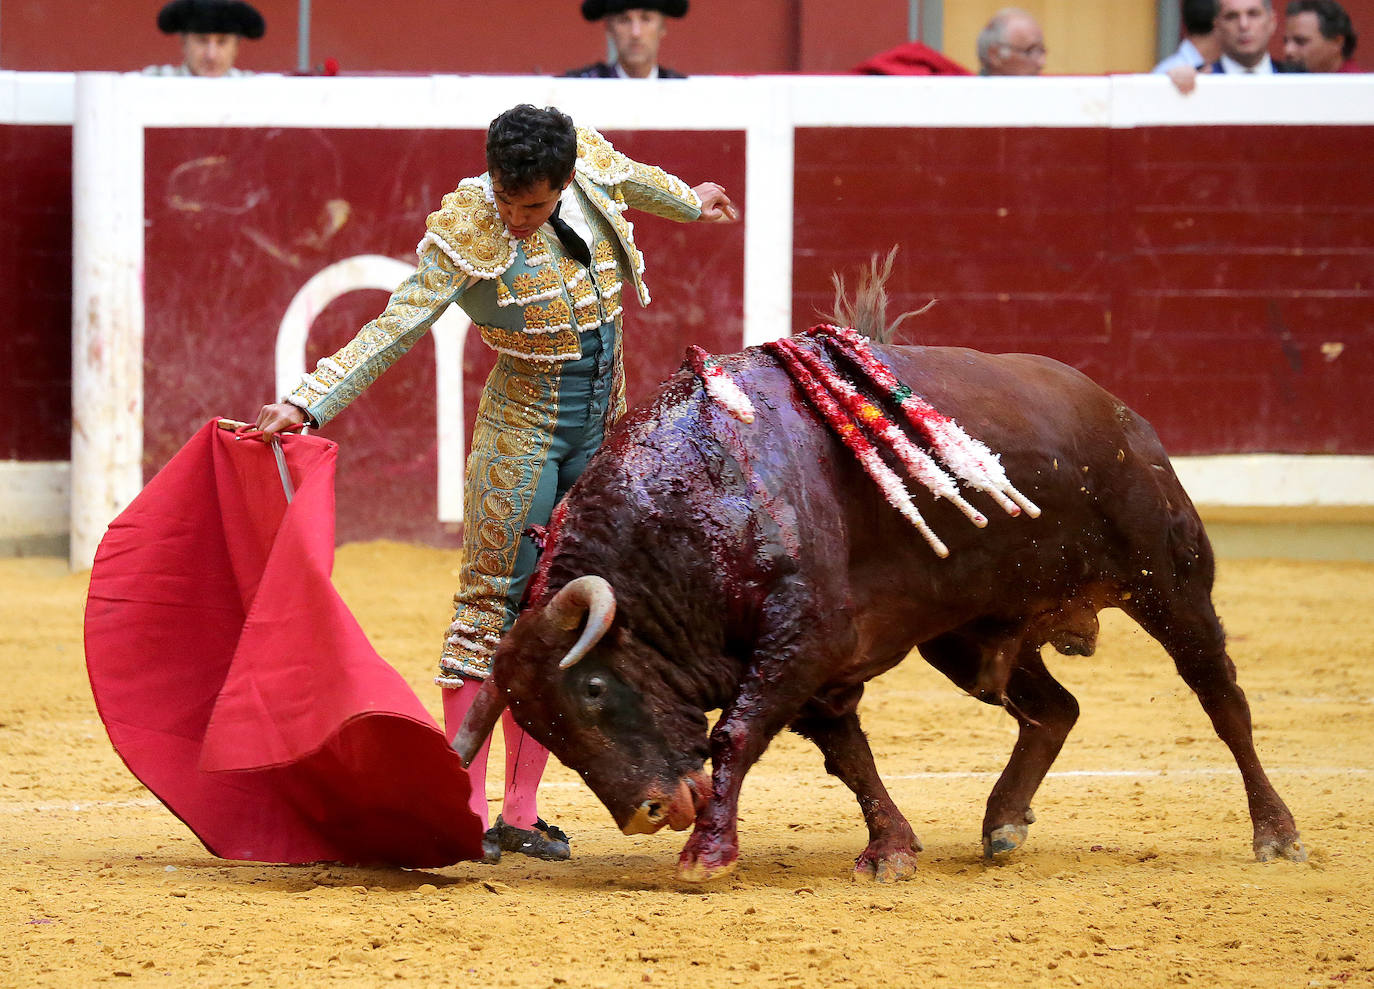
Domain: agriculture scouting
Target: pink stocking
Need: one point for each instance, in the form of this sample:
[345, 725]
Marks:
[525, 759]
[457, 700]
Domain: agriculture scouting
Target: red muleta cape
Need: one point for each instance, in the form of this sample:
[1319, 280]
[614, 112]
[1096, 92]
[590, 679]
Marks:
[237, 686]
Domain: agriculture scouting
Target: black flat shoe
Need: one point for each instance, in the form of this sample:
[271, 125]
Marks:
[543, 841]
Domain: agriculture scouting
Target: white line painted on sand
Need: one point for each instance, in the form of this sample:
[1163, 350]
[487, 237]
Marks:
[75, 806]
[1105, 774]
[80, 807]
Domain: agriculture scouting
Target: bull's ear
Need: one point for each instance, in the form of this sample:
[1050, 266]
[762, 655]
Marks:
[480, 721]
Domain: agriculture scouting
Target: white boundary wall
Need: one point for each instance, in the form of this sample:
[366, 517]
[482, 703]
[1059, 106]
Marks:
[109, 113]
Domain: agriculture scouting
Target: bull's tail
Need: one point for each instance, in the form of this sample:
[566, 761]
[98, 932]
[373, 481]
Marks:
[867, 312]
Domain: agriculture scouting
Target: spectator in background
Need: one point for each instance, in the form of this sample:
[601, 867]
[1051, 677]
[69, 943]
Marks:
[1318, 37]
[1200, 46]
[1244, 28]
[635, 30]
[210, 31]
[1011, 44]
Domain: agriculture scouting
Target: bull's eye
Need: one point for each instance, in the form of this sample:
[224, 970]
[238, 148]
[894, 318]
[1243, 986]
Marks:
[596, 686]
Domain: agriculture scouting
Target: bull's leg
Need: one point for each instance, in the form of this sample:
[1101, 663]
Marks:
[1186, 626]
[738, 740]
[1046, 713]
[892, 845]
[712, 851]
[770, 695]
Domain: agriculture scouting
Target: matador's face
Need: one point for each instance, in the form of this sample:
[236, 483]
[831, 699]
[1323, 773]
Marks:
[525, 210]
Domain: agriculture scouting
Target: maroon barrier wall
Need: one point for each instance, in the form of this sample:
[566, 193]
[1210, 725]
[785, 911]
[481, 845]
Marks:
[1218, 280]
[236, 226]
[35, 291]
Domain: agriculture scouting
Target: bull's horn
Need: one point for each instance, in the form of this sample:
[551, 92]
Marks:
[479, 722]
[591, 596]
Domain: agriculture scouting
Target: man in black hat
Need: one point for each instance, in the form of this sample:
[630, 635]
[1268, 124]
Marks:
[634, 29]
[210, 31]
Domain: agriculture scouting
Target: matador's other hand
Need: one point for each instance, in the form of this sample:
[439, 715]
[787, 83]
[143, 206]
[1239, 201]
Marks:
[715, 204]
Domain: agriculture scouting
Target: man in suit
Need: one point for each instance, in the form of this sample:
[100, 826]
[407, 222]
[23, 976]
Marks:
[635, 30]
[1245, 28]
[537, 252]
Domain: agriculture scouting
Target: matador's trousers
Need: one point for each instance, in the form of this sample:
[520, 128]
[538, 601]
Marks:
[537, 426]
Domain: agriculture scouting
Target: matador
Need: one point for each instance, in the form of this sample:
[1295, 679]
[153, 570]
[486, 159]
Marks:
[538, 252]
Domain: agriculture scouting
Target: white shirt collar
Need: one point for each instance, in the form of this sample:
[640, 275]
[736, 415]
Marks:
[621, 73]
[571, 214]
[1264, 66]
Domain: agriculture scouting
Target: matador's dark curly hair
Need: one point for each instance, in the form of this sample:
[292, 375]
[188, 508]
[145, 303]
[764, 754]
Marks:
[526, 144]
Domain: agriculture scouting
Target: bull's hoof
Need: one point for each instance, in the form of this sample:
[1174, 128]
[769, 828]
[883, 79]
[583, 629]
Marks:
[1267, 851]
[699, 871]
[890, 868]
[1007, 838]
[706, 857]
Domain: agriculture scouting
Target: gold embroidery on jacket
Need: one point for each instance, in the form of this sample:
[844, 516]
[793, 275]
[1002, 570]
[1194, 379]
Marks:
[470, 231]
[604, 255]
[538, 286]
[659, 179]
[584, 295]
[572, 271]
[537, 250]
[602, 162]
[548, 319]
[562, 345]
[607, 281]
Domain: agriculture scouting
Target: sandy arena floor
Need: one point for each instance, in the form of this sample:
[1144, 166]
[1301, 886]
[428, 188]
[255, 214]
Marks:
[1139, 872]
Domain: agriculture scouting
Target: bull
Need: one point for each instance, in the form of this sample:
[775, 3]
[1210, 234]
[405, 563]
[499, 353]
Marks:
[702, 563]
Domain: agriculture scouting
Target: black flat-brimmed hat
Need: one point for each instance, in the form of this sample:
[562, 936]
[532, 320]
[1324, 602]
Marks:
[594, 10]
[211, 17]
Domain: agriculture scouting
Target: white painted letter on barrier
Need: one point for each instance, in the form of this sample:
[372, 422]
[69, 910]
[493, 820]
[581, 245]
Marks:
[376, 271]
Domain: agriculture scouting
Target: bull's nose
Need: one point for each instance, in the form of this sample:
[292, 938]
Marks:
[648, 818]
[677, 808]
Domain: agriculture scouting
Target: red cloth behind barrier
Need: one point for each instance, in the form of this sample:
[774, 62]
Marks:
[911, 59]
[235, 684]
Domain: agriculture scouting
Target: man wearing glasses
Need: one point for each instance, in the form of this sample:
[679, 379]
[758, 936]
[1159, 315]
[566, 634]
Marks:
[1011, 44]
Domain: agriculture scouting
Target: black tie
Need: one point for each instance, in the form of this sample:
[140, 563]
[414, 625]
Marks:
[572, 243]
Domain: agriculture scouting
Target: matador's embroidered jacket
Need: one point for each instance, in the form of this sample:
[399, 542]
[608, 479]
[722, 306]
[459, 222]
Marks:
[525, 297]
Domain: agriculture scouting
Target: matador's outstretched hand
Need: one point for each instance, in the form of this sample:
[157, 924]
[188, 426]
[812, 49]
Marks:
[715, 204]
